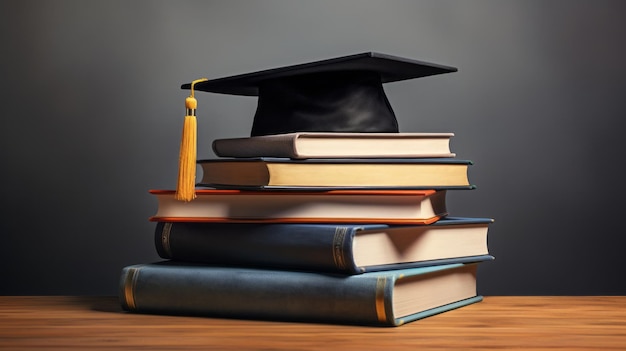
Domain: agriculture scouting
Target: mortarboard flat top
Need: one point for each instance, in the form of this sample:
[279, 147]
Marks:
[342, 94]
[391, 69]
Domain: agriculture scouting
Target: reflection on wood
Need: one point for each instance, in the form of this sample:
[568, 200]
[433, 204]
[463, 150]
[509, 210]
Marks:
[499, 322]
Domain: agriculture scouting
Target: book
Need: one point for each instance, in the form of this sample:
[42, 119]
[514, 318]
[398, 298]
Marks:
[385, 298]
[427, 173]
[339, 248]
[337, 145]
[333, 206]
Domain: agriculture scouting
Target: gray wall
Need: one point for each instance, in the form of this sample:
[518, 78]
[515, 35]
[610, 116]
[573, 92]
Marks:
[91, 116]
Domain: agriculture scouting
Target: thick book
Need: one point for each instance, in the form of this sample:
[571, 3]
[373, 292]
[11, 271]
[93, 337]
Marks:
[334, 206]
[385, 298]
[343, 248]
[426, 173]
[337, 145]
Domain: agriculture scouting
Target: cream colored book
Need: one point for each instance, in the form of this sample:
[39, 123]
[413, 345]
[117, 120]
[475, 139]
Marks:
[268, 172]
[337, 145]
[335, 206]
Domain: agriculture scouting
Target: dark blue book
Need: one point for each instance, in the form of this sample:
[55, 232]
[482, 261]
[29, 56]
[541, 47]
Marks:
[385, 298]
[341, 248]
[307, 145]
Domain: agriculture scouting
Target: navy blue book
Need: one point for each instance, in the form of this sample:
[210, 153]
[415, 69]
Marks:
[340, 248]
[384, 298]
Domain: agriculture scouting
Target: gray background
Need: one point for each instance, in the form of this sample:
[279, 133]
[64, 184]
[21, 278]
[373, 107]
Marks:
[91, 115]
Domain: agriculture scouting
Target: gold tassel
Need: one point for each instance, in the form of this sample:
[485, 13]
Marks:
[186, 186]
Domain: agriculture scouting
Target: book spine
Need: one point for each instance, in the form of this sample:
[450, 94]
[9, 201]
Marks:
[276, 146]
[275, 295]
[290, 246]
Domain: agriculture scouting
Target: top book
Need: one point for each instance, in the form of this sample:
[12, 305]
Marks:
[304, 145]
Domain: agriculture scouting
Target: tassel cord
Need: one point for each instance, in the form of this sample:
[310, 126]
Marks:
[185, 188]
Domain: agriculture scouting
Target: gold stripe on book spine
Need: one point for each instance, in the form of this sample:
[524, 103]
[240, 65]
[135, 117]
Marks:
[165, 238]
[129, 288]
[338, 252]
[380, 299]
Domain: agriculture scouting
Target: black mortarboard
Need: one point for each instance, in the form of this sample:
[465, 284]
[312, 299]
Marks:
[343, 94]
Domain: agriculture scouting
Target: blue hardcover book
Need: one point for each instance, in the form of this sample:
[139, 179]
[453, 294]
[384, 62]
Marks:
[340, 248]
[335, 173]
[385, 298]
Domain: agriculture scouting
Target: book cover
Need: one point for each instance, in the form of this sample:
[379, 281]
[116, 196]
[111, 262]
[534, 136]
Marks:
[386, 298]
[335, 206]
[265, 172]
[304, 145]
[340, 248]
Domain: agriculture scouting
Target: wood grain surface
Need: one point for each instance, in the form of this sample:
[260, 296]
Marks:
[499, 322]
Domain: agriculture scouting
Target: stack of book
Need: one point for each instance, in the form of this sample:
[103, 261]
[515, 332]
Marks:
[363, 240]
[325, 213]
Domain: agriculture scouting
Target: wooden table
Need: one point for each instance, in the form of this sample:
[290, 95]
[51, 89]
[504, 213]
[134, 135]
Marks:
[499, 322]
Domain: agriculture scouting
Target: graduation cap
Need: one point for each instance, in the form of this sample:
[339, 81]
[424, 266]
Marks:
[343, 94]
